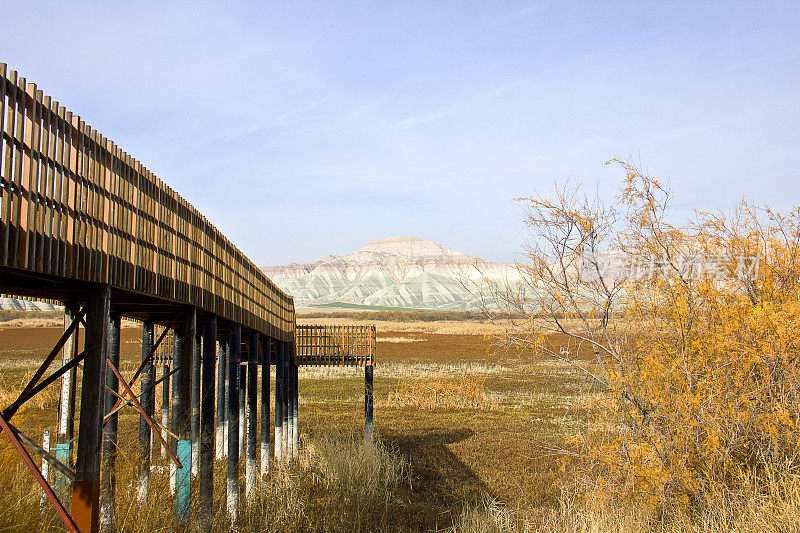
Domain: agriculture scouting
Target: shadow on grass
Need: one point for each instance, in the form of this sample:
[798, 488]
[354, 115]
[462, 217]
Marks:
[441, 483]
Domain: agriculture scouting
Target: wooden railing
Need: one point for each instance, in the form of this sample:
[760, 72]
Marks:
[335, 345]
[74, 205]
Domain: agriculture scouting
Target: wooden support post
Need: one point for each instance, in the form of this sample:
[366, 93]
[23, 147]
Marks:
[368, 423]
[86, 489]
[205, 480]
[165, 396]
[168, 423]
[222, 370]
[66, 408]
[286, 404]
[181, 415]
[234, 354]
[252, 413]
[295, 411]
[45, 472]
[242, 410]
[266, 358]
[109, 476]
[279, 353]
[197, 362]
[147, 399]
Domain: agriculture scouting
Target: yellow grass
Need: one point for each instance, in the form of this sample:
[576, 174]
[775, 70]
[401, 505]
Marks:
[465, 392]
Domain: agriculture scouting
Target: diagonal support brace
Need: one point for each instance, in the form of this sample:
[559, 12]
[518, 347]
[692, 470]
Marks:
[48, 490]
[129, 402]
[41, 452]
[147, 359]
[138, 407]
[9, 411]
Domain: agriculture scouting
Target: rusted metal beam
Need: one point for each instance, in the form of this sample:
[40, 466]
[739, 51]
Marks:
[24, 396]
[138, 406]
[23, 453]
[41, 452]
[156, 424]
[126, 402]
[147, 359]
[54, 376]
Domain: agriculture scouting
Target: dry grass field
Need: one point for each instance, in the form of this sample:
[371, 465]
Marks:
[476, 426]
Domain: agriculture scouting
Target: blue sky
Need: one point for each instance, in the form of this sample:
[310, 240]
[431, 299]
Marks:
[303, 129]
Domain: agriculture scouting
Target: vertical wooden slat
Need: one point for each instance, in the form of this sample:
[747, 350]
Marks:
[39, 183]
[19, 208]
[51, 189]
[7, 104]
[30, 181]
[60, 215]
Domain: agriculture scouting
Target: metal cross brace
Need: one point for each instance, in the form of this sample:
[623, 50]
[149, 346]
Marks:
[146, 360]
[126, 403]
[41, 452]
[48, 490]
[25, 395]
[138, 407]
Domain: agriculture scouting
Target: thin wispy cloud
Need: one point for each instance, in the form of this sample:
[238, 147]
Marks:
[302, 110]
[410, 122]
[778, 54]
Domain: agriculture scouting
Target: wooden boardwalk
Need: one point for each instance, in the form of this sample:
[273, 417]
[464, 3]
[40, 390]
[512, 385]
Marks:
[84, 224]
[75, 209]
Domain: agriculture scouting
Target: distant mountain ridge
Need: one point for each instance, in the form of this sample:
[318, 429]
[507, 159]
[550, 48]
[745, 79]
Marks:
[394, 272]
[15, 304]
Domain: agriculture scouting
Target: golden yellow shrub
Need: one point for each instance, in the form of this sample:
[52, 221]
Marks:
[696, 335]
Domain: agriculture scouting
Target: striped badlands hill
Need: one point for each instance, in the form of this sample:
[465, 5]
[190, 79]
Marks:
[394, 272]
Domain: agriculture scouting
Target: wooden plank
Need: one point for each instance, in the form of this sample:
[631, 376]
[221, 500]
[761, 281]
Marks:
[59, 194]
[51, 198]
[19, 208]
[71, 190]
[30, 181]
[39, 182]
[7, 115]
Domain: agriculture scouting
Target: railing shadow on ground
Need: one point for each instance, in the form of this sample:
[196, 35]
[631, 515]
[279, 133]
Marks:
[441, 483]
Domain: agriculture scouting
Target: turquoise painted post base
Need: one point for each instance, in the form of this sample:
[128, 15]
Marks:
[60, 481]
[183, 481]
